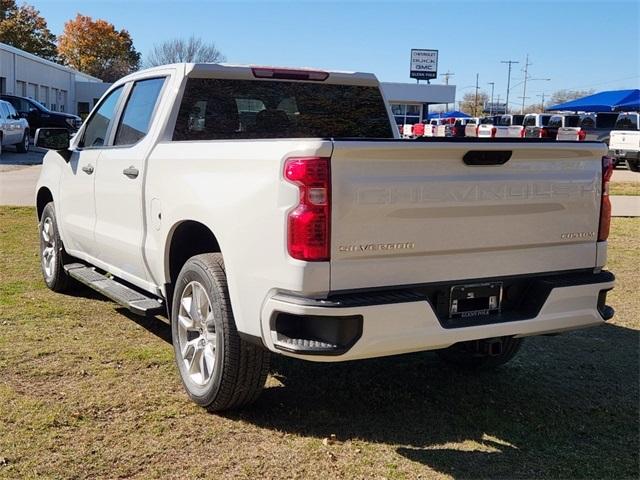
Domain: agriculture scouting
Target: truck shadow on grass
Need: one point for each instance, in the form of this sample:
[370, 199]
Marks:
[566, 407]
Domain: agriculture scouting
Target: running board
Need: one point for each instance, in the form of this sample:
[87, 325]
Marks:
[136, 302]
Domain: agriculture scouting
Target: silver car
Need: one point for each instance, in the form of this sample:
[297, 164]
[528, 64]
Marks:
[14, 130]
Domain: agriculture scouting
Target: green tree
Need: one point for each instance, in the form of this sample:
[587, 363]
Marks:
[23, 27]
[97, 48]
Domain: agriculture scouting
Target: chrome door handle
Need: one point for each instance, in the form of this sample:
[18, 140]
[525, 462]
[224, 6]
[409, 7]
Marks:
[131, 172]
[88, 169]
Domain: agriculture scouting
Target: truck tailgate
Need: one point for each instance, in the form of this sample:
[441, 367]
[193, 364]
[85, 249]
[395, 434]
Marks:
[413, 212]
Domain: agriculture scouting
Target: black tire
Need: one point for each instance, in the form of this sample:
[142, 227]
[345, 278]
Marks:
[480, 354]
[633, 165]
[54, 276]
[240, 368]
[23, 146]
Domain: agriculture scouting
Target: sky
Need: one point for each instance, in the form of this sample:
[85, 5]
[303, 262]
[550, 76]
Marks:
[577, 44]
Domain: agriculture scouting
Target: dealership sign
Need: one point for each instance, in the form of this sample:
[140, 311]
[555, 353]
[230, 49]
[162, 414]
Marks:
[424, 64]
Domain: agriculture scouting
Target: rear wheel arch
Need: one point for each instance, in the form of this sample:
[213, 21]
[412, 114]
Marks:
[186, 239]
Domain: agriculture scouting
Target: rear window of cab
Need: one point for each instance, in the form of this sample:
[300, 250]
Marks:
[221, 109]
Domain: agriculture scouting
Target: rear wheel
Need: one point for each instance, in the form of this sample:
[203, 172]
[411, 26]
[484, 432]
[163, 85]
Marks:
[481, 354]
[219, 370]
[52, 252]
[633, 165]
[23, 146]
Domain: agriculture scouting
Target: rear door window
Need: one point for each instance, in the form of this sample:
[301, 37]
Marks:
[138, 111]
[517, 119]
[529, 121]
[215, 109]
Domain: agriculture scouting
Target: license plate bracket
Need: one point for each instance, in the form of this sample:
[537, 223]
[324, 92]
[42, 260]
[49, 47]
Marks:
[475, 299]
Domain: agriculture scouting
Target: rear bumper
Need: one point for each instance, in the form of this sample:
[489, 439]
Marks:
[380, 324]
[627, 154]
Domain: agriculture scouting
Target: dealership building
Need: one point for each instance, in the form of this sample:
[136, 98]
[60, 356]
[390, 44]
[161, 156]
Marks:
[57, 87]
[410, 102]
[63, 89]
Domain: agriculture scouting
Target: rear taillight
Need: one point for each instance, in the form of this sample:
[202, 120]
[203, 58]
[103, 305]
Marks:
[477, 129]
[605, 205]
[582, 135]
[493, 132]
[454, 132]
[308, 223]
[522, 133]
[543, 133]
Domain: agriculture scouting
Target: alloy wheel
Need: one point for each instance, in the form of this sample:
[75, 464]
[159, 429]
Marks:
[197, 334]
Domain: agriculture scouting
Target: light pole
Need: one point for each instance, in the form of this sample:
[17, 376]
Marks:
[509, 62]
[493, 84]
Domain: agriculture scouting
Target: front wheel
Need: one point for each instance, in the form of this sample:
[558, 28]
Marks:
[219, 370]
[23, 146]
[52, 251]
[481, 354]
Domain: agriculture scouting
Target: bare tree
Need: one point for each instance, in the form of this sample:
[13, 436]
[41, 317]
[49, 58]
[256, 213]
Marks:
[184, 50]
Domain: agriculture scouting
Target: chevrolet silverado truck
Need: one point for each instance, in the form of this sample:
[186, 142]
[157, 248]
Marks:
[269, 210]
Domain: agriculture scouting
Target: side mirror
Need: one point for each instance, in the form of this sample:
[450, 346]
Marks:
[54, 139]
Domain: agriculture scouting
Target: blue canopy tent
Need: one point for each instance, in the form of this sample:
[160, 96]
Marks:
[601, 102]
[454, 114]
[633, 104]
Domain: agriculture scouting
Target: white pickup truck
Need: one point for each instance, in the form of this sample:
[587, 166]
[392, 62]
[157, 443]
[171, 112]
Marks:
[275, 210]
[625, 140]
[510, 126]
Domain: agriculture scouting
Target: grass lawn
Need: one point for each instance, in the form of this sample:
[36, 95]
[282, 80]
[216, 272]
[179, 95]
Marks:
[87, 390]
[624, 188]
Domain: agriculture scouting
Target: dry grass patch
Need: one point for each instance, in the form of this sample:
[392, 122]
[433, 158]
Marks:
[87, 390]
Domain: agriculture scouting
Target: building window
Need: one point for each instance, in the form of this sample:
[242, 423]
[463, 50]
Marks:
[63, 100]
[3, 85]
[407, 113]
[32, 91]
[21, 88]
[44, 95]
[54, 99]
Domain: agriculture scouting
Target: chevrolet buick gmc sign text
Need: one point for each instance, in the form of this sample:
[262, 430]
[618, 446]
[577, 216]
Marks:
[424, 64]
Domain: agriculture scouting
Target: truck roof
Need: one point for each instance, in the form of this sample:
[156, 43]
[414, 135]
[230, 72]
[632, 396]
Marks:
[248, 72]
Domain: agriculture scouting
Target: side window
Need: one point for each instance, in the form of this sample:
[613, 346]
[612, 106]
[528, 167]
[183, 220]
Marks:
[95, 133]
[136, 118]
[3, 111]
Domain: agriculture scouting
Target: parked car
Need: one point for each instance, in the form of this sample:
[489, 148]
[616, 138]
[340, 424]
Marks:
[431, 128]
[533, 124]
[625, 140]
[279, 226]
[592, 127]
[557, 122]
[459, 127]
[510, 126]
[14, 130]
[40, 116]
[488, 127]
